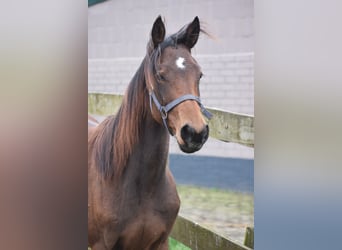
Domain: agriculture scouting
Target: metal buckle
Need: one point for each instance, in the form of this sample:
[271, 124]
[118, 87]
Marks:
[163, 113]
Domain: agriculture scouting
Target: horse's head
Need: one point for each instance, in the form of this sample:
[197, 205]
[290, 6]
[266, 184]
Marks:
[172, 78]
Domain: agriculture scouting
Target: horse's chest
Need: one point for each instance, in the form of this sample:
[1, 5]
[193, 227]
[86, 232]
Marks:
[143, 231]
[150, 224]
[147, 230]
[155, 212]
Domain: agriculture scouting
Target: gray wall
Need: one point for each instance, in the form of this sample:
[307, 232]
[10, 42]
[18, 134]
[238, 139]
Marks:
[122, 28]
[118, 32]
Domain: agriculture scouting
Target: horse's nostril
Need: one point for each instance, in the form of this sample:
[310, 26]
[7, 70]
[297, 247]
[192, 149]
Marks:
[190, 136]
[187, 133]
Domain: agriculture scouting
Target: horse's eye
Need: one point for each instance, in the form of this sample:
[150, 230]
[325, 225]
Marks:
[200, 78]
[161, 77]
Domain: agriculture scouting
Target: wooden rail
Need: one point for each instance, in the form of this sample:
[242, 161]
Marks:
[224, 126]
[197, 237]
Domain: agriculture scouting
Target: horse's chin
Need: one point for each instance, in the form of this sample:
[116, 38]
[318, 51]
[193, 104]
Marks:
[190, 148]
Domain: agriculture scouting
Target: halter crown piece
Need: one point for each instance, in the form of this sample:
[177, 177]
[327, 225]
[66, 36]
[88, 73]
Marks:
[164, 110]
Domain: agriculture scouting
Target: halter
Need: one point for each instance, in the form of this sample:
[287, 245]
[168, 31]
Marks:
[164, 110]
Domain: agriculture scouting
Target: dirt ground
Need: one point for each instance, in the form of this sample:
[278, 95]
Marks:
[227, 213]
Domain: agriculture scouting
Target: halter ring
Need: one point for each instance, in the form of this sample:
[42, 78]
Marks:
[163, 112]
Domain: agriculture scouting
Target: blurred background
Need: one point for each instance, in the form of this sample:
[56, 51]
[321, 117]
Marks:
[216, 183]
[43, 100]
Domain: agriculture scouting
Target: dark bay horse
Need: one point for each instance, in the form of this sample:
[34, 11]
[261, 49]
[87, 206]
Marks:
[132, 196]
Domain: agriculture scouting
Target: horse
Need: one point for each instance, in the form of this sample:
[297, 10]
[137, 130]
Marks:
[132, 196]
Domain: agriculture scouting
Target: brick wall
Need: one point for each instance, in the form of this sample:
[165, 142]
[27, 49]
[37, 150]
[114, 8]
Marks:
[227, 84]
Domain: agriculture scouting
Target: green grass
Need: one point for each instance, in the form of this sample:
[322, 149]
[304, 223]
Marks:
[175, 245]
[225, 212]
[213, 198]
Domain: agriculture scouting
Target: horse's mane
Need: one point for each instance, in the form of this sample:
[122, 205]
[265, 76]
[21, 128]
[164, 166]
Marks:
[121, 129]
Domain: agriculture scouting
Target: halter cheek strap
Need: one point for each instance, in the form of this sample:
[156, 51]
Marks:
[164, 110]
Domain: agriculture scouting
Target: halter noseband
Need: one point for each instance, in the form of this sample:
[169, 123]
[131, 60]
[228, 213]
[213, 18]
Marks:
[164, 110]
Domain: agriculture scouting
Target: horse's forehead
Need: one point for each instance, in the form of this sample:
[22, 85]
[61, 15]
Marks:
[179, 58]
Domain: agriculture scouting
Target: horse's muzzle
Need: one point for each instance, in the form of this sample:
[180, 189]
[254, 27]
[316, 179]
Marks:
[193, 141]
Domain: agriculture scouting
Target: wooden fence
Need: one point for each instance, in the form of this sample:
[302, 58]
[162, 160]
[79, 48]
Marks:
[225, 126]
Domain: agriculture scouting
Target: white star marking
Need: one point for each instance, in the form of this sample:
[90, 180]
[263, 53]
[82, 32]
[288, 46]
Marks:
[180, 63]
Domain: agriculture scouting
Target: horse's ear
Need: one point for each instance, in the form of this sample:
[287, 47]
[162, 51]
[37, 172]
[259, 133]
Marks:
[192, 33]
[158, 31]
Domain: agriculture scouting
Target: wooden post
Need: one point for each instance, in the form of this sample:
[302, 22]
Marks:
[249, 237]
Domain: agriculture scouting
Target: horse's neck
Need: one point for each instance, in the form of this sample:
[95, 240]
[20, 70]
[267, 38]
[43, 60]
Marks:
[148, 161]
